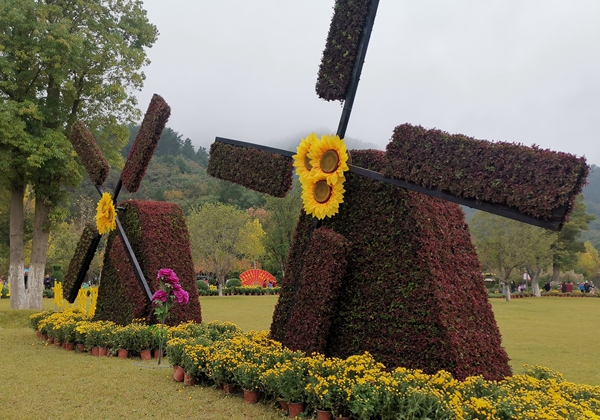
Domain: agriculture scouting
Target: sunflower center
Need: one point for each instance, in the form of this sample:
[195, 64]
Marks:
[307, 162]
[330, 161]
[322, 192]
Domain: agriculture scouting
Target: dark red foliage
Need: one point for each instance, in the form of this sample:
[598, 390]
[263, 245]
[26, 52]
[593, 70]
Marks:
[159, 237]
[145, 143]
[341, 48]
[258, 170]
[76, 263]
[413, 292]
[291, 280]
[536, 182]
[90, 154]
[314, 305]
[135, 296]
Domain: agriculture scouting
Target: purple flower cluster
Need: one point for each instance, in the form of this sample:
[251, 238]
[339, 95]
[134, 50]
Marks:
[169, 283]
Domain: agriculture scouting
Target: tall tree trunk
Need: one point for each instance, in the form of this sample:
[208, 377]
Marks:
[555, 272]
[37, 266]
[17, 255]
[534, 275]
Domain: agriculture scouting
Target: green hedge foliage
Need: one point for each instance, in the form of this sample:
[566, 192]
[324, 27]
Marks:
[76, 263]
[159, 237]
[540, 183]
[341, 47]
[145, 143]
[240, 165]
[412, 292]
[91, 157]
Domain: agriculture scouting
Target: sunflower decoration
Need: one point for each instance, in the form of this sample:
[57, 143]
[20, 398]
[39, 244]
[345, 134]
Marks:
[301, 159]
[320, 163]
[106, 215]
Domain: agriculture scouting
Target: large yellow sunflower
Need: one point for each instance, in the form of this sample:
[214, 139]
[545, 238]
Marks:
[301, 160]
[322, 198]
[106, 215]
[328, 158]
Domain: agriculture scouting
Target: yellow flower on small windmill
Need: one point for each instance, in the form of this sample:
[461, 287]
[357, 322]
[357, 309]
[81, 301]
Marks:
[106, 214]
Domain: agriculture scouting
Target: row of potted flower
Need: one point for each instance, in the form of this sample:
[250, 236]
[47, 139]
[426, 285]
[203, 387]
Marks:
[73, 327]
[239, 290]
[221, 354]
[360, 387]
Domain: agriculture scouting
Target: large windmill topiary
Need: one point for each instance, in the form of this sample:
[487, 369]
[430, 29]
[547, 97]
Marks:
[394, 272]
[149, 235]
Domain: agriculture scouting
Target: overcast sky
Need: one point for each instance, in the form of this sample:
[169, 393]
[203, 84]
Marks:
[525, 71]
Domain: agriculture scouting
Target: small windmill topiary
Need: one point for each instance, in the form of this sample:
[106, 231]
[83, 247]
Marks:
[391, 268]
[149, 235]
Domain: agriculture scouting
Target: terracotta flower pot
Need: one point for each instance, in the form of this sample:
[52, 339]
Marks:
[250, 396]
[324, 415]
[188, 379]
[102, 351]
[283, 403]
[69, 346]
[295, 408]
[81, 347]
[228, 388]
[156, 353]
[146, 354]
[122, 353]
[57, 343]
[95, 351]
[178, 373]
[38, 334]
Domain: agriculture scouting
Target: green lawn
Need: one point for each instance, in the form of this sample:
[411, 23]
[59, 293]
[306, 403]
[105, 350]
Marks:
[560, 333]
[248, 312]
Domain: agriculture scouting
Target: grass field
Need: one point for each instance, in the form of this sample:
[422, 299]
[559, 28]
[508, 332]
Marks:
[559, 333]
[46, 381]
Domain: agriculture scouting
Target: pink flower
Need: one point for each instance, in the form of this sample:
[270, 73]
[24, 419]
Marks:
[160, 295]
[168, 276]
[181, 296]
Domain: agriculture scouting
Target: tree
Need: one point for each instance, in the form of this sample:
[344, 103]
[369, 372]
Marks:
[219, 238]
[588, 262]
[59, 62]
[202, 156]
[505, 245]
[280, 225]
[568, 245]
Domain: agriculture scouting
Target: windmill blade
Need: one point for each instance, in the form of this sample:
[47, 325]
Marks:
[239, 165]
[145, 143]
[90, 154]
[80, 263]
[524, 183]
[558, 213]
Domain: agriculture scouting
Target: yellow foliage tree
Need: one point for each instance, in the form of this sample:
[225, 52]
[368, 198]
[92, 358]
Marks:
[589, 262]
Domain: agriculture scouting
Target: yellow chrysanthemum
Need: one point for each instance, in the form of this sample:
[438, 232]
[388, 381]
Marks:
[301, 160]
[328, 158]
[106, 215]
[321, 198]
